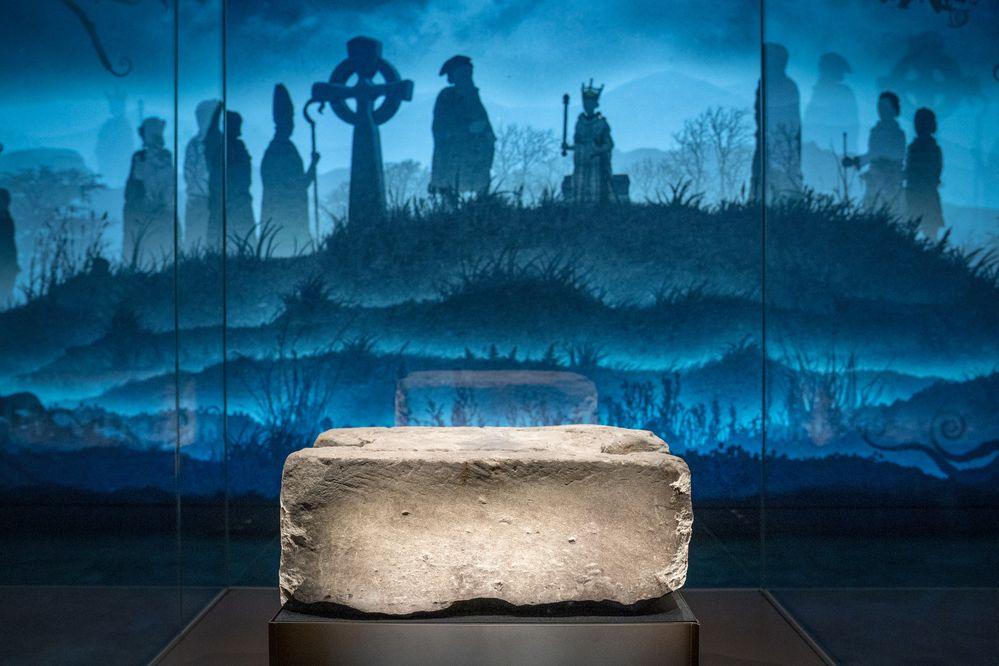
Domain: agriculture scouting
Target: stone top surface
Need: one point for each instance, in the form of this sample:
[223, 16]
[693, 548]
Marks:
[569, 441]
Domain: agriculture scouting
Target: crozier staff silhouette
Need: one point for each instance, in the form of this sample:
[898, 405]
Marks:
[148, 214]
[285, 203]
[367, 175]
[591, 148]
[464, 142]
[884, 158]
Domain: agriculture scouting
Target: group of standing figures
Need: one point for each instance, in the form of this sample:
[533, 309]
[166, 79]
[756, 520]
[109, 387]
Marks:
[464, 148]
[906, 182]
[212, 178]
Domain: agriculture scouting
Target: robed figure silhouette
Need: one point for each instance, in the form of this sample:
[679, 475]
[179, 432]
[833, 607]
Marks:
[923, 167]
[148, 214]
[592, 146]
[783, 130]
[832, 111]
[884, 158]
[8, 249]
[464, 142]
[196, 180]
[284, 209]
[239, 225]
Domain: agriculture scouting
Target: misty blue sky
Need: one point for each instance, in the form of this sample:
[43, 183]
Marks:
[661, 62]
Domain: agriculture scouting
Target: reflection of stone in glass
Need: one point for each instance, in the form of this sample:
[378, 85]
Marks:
[495, 397]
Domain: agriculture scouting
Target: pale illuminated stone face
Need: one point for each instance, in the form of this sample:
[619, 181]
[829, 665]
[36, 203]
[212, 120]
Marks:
[404, 520]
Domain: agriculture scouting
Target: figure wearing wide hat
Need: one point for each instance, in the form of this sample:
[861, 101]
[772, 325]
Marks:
[464, 142]
[284, 209]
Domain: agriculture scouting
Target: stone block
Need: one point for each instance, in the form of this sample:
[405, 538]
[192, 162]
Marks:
[410, 520]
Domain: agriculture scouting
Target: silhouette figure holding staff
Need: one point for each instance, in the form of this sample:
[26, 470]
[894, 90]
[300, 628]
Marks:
[148, 213]
[285, 204]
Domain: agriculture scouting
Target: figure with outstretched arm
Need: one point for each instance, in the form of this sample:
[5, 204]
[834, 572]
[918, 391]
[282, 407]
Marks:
[884, 158]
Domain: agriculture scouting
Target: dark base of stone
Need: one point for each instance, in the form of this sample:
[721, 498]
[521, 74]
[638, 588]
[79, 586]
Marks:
[487, 632]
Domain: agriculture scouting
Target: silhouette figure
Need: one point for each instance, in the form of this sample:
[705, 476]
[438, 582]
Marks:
[285, 206]
[115, 140]
[367, 175]
[923, 166]
[832, 110]
[464, 142]
[591, 180]
[239, 225]
[884, 158]
[148, 214]
[783, 130]
[196, 178]
[8, 249]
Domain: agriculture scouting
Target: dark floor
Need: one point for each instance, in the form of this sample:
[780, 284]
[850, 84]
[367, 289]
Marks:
[93, 625]
[737, 627]
[900, 626]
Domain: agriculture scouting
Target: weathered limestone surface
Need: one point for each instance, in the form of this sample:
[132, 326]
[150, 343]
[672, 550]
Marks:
[404, 520]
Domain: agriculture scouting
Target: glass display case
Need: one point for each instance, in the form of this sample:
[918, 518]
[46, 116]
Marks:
[764, 231]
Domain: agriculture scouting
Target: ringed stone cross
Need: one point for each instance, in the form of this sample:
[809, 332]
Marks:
[364, 61]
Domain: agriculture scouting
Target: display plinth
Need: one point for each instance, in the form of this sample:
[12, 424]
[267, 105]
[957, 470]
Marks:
[662, 632]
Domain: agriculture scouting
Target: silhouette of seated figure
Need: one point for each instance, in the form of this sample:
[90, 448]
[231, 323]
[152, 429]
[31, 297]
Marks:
[884, 158]
[923, 167]
[8, 250]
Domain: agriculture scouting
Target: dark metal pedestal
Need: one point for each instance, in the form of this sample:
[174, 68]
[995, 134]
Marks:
[664, 633]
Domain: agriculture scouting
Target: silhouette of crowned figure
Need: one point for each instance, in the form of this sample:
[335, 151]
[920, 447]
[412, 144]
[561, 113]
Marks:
[592, 146]
[464, 142]
[8, 249]
[285, 205]
[148, 214]
[884, 157]
[239, 225]
[783, 130]
[832, 110]
[923, 166]
[115, 140]
[196, 179]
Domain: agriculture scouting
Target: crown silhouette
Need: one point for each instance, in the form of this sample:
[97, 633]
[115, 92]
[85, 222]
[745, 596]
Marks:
[589, 90]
